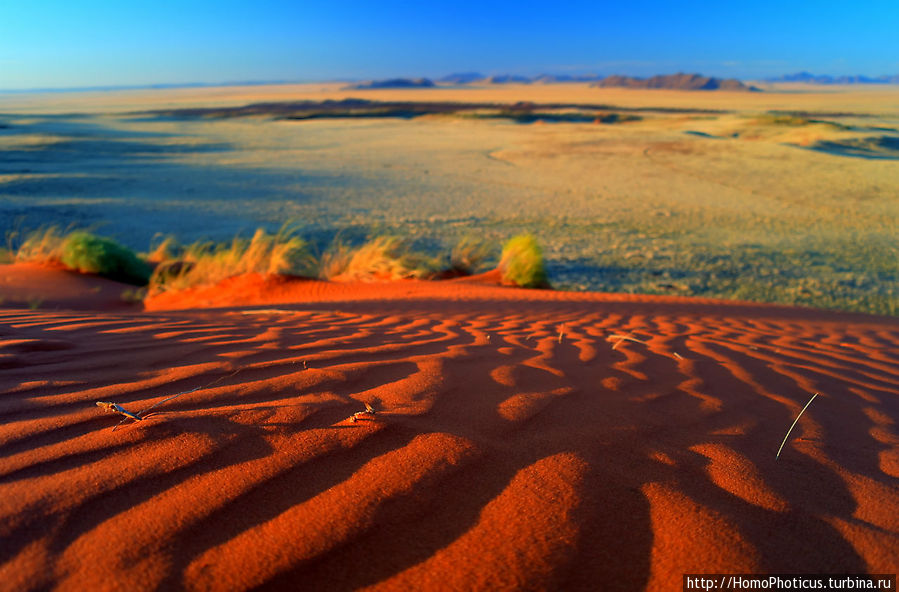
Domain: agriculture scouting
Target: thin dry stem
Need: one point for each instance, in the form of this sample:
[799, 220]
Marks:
[794, 424]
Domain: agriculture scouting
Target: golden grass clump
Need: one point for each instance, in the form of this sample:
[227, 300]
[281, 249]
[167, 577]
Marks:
[471, 255]
[335, 260]
[42, 246]
[164, 251]
[383, 258]
[208, 263]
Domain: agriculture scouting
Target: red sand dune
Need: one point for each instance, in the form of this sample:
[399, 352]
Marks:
[518, 443]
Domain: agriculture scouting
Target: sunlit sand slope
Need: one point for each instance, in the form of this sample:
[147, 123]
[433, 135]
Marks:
[520, 442]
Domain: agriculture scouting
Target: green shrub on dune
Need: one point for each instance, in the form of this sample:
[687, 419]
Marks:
[522, 263]
[87, 253]
[84, 252]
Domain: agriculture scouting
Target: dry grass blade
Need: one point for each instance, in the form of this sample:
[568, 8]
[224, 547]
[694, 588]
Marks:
[620, 338]
[794, 424]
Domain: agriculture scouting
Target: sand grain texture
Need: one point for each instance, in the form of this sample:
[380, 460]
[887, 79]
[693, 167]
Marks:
[513, 448]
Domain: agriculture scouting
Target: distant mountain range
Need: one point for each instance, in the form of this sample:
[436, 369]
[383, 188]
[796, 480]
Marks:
[462, 78]
[672, 81]
[808, 78]
[472, 77]
[675, 82]
[551, 78]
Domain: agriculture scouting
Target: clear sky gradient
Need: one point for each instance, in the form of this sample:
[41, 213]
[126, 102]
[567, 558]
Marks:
[82, 43]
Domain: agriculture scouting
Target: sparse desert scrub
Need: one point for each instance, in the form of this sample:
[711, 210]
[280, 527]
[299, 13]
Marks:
[207, 263]
[87, 253]
[522, 263]
[381, 258]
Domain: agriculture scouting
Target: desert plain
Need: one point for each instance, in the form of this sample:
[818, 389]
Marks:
[718, 259]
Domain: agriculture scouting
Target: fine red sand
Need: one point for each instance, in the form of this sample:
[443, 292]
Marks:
[519, 443]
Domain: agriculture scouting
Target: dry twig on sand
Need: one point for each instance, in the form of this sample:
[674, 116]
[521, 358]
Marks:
[140, 415]
[369, 410]
[619, 338]
[794, 424]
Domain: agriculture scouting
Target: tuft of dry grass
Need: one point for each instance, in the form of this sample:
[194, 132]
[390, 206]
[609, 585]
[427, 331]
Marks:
[471, 255]
[208, 263]
[164, 251]
[41, 246]
[383, 258]
[335, 260]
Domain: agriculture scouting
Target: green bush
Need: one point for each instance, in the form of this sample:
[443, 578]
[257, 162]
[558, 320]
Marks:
[522, 263]
[87, 253]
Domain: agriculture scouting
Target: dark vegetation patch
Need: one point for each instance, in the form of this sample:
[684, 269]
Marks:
[582, 116]
[878, 148]
[702, 134]
[363, 108]
[793, 120]
[819, 114]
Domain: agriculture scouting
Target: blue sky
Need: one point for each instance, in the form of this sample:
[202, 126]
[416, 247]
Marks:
[77, 43]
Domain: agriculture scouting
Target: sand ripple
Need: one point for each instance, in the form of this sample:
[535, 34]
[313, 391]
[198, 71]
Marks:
[519, 443]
